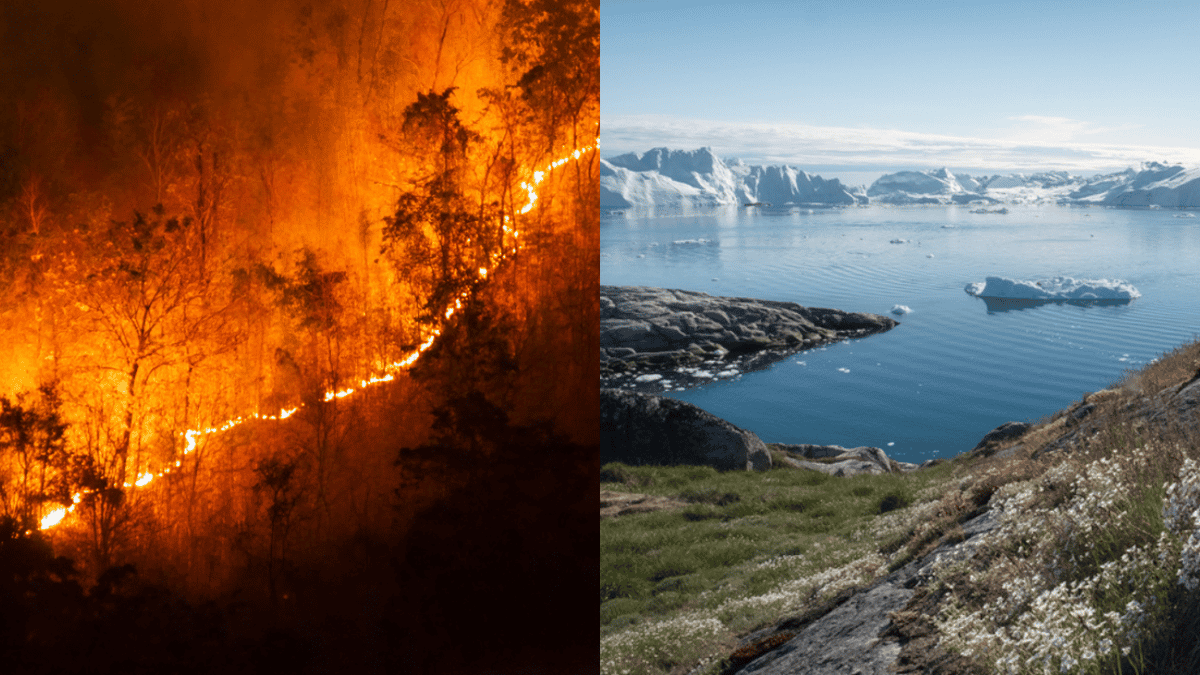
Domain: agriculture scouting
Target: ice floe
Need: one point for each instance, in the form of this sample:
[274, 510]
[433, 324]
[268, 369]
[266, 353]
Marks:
[1056, 288]
[654, 377]
[900, 310]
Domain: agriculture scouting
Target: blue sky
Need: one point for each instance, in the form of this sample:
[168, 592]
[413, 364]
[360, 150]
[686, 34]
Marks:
[850, 87]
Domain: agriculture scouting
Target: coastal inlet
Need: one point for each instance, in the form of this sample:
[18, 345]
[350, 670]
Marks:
[655, 339]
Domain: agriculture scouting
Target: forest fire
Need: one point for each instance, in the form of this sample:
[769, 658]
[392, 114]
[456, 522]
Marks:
[56, 516]
[216, 216]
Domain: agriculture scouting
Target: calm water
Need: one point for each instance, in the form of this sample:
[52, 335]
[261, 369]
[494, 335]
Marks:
[952, 370]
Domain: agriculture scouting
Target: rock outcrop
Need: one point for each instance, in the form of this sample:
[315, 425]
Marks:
[857, 636]
[651, 338]
[838, 461]
[999, 437]
[640, 428]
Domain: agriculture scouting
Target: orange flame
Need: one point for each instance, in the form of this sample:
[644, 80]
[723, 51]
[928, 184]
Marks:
[191, 435]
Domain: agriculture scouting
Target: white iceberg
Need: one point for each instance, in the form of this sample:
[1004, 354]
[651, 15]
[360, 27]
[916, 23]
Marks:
[698, 178]
[901, 310]
[1057, 288]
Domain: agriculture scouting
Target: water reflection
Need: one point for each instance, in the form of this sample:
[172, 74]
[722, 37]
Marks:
[997, 305]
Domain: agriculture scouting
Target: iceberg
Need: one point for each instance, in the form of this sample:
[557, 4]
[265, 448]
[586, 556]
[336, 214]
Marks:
[662, 177]
[1057, 288]
[698, 178]
[1155, 185]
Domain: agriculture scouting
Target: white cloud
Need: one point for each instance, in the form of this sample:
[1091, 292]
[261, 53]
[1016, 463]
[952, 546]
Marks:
[1037, 144]
[1045, 130]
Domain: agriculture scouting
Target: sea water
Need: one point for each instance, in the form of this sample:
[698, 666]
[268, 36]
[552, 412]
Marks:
[953, 369]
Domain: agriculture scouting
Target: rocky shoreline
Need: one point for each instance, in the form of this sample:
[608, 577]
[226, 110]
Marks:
[639, 428]
[655, 339]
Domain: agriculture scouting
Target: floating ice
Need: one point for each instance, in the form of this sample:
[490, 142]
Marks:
[802, 363]
[900, 310]
[727, 373]
[691, 242]
[641, 255]
[647, 378]
[1057, 288]
[898, 241]
[891, 443]
[1185, 215]
[929, 255]
[843, 370]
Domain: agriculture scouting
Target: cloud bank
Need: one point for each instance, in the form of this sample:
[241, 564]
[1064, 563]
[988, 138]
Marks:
[1036, 144]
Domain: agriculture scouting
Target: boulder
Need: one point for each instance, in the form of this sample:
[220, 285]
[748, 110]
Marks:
[638, 428]
[1004, 432]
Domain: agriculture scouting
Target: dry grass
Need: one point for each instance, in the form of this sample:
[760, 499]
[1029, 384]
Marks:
[1084, 543]
[1170, 370]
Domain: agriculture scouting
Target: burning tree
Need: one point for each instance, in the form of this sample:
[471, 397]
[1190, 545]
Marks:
[438, 237]
[35, 466]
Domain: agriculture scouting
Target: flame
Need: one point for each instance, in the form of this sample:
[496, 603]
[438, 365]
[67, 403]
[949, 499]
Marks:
[192, 435]
[53, 518]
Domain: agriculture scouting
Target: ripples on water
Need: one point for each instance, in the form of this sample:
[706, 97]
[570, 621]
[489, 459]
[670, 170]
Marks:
[953, 369]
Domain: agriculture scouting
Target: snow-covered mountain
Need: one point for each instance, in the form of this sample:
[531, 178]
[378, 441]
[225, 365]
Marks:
[697, 178]
[675, 178]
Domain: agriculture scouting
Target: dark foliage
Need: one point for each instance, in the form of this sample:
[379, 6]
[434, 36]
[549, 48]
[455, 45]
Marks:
[499, 576]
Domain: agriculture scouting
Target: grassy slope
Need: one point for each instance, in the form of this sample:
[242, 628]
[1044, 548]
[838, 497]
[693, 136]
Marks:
[1083, 555]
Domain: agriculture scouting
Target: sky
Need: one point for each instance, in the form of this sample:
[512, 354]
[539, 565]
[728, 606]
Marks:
[865, 88]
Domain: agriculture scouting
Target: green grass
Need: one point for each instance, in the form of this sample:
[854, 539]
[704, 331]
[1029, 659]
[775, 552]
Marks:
[743, 536]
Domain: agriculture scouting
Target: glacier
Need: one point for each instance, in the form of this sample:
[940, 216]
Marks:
[668, 178]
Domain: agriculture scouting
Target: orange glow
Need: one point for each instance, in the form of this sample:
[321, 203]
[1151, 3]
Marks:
[191, 436]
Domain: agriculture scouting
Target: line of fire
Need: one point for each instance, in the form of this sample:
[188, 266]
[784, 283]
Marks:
[298, 324]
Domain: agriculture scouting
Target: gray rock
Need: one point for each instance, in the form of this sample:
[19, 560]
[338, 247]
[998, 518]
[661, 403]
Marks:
[660, 325]
[1004, 432]
[844, 641]
[853, 638]
[849, 467]
[638, 428]
[845, 462]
